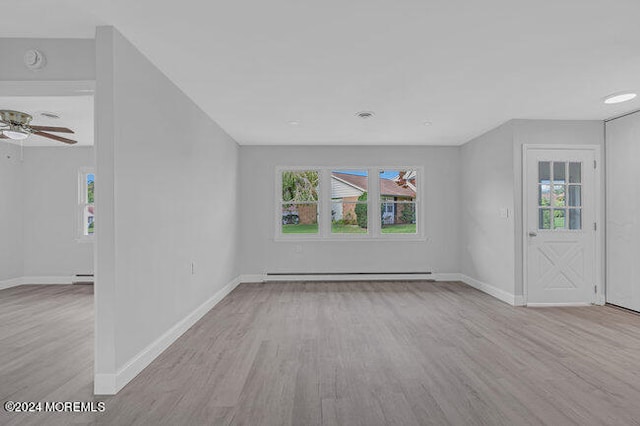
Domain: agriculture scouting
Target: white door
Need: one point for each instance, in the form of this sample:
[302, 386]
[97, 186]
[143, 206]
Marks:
[560, 261]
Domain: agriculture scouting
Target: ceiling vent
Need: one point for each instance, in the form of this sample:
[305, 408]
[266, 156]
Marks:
[365, 115]
[51, 115]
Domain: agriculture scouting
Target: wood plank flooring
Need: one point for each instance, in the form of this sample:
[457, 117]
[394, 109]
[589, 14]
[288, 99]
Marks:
[349, 353]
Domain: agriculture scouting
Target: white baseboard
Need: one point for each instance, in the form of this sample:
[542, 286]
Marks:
[48, 280]
[13, 282]
[251, 278]
[556, 305]
[447, 276]
[110, 384]
[491, 290]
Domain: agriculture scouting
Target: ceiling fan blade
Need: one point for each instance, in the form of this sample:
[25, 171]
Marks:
[52, 129]
[55, 137]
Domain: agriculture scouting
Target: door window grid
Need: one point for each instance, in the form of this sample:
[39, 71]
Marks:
[559, 198]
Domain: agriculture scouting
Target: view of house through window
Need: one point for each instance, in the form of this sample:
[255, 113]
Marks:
[349, 201]
[348, 204]
[87, 199]
[398, 192]
[299, 201]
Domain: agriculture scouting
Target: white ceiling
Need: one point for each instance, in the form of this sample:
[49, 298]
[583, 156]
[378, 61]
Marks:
[76, 113]
[466, 66]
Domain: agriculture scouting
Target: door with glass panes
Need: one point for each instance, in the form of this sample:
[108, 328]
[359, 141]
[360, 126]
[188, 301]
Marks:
[560, 235]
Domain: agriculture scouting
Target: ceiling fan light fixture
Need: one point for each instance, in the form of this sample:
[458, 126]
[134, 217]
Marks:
[15, 134]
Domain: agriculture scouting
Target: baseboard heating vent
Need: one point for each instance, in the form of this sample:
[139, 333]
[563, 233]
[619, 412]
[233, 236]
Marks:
[82, 279]
[280, 274]
[345, 276]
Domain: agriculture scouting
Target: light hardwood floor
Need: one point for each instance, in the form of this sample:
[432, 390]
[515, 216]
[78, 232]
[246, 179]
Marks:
[354, 353]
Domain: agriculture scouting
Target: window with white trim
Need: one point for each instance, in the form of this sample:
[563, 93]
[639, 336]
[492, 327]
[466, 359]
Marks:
[86, 206]
[348, 203]
[299, 196]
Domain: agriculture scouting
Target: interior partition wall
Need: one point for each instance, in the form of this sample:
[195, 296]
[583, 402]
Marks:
[623, 211]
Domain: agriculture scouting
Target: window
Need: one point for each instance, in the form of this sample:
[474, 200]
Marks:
[86, 201]
[398, 197]
[559, 195]
[299, 201]
[349, 207]
[348, 203]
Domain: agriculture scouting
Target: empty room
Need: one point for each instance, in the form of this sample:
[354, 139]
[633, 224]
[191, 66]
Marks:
[330, 213]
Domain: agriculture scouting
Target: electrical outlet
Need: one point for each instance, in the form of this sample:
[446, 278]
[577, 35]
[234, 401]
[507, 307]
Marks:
[298, 248]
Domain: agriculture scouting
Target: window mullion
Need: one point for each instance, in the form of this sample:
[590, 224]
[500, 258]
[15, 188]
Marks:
[324, 222]
[373, 202]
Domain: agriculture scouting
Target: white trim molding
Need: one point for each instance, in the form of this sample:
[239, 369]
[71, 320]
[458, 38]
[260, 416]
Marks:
[110, 384]
[557, 305]
[36, 280]
[12, 282]
[252, 278]
[496, 292]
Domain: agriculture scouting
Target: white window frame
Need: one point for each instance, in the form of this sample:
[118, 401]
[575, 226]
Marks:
[83, 202]
[374, 229]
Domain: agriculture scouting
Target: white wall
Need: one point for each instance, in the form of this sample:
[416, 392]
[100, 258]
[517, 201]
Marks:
[549, 132]
[11, 240]
[260, 253]
[166, 196]
[50, 188]
[487, 187]
[623, 211]
[492, 180]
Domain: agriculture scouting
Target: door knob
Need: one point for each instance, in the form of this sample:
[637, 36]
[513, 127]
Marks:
[533, 234]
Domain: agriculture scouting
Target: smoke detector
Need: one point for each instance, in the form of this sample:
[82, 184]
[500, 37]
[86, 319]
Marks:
[34, 59]
[365, 115]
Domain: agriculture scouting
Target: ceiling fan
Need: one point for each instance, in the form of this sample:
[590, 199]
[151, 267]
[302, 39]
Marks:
[15, 125]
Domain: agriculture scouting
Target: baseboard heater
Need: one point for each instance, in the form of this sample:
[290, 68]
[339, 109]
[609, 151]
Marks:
[275, 276]
[83, 279]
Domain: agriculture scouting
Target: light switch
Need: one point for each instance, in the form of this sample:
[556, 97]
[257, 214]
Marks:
[504, 213]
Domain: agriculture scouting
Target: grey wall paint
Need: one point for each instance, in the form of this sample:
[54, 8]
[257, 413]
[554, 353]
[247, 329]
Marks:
[492, 246]
[50, 206]
[549, 132]
[487, 186]
[166, 195]
[67, 59]
[260, 253]
[623, 211]
[11, 239]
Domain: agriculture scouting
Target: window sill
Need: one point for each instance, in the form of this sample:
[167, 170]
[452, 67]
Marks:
[319, 239]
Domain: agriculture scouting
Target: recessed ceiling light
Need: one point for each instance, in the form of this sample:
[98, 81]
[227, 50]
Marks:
[617, 98]
[293, 123]
[427, 123]
[365, 115]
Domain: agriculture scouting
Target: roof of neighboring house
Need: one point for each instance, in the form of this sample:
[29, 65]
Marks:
[387, 186]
